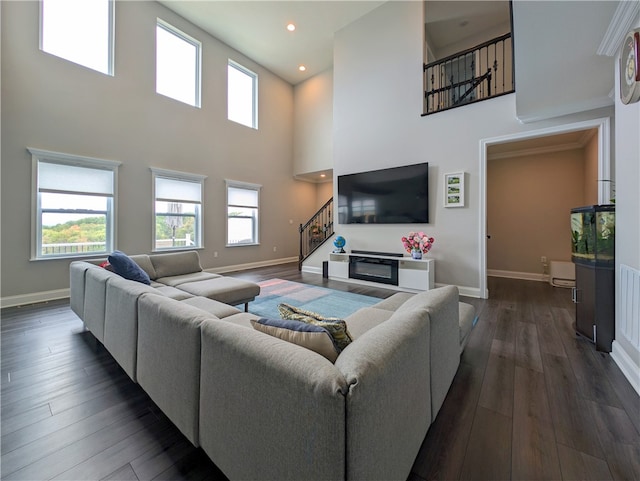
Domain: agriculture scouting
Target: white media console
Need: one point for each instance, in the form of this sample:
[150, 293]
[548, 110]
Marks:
[383, 270]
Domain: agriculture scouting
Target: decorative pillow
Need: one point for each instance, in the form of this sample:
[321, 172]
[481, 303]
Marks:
[124, 266]
[306, 335]
[107, 266]
[336, 327]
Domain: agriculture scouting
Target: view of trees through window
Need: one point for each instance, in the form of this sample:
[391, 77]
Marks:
[89, 232]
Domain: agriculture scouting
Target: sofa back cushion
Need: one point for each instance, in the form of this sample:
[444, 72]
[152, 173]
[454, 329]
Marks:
[175, 264]
[145, 264]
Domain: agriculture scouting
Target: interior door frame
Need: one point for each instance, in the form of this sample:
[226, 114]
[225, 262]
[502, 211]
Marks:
[604, 174]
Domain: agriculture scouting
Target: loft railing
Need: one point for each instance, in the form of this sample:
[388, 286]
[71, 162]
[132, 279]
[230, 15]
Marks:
[316, 231]
[476, 74]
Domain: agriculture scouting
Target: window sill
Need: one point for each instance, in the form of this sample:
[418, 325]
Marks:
[243, 245]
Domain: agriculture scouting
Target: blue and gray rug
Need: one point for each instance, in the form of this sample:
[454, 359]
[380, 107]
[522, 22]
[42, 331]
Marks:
[328, 302]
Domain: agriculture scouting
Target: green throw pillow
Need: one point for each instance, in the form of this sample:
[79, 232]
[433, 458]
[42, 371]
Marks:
[336, 327]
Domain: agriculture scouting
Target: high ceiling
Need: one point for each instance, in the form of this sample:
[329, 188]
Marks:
[258, 30]
[558, 71]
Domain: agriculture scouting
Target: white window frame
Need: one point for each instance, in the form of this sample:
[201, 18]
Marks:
[182, 177]
[111, 43]
[254, 93]
[256, 228]
[198, 73]
[38, 156]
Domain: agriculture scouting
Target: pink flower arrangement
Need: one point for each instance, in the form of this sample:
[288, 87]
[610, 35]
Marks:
[418, 241]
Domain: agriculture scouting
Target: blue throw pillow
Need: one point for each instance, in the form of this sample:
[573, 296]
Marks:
[126, 267]
[306, 335]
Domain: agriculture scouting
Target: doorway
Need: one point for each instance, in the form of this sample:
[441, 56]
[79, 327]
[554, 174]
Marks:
[545, 139]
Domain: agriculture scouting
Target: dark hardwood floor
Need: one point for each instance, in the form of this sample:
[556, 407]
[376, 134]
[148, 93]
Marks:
[530, 400]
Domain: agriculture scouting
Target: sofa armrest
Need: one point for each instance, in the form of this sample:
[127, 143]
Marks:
[269, 409]
[77, 273]
[388, 403]
[442, 305]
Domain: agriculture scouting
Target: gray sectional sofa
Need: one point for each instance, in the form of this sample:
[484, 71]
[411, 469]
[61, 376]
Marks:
[263, 408]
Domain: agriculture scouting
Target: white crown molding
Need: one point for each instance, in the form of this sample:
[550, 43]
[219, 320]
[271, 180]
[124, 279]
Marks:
[620, 24]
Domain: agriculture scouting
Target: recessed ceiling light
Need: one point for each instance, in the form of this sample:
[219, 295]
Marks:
[323, 175]
[291, 27]
[302, 68]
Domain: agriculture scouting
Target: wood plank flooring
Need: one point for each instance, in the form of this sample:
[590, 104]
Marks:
[530, 400]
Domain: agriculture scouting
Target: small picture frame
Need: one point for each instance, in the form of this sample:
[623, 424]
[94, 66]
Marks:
[454, 189]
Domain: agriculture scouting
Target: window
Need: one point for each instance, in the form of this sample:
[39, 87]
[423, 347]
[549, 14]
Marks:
[80, 31]
[74, 206]
[177, 64]
[177, 209]
[243, 201]
[242, 94]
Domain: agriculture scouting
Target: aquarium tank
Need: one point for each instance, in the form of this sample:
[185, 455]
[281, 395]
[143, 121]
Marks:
[593, 234]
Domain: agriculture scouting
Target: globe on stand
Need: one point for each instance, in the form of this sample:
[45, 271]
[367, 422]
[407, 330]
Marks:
[339, 243]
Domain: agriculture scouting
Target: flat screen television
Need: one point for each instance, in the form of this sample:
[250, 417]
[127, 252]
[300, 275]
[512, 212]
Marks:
[399, 195]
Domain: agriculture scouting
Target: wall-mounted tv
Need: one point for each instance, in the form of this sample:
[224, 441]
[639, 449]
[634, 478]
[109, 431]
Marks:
[399, 195]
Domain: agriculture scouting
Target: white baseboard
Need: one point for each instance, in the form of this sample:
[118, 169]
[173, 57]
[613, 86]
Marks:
[251, 265]
[526, 276]
[312, 270]
[626, 365]
[33, 297]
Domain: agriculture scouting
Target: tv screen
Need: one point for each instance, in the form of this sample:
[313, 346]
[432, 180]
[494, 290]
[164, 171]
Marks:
[399, 195]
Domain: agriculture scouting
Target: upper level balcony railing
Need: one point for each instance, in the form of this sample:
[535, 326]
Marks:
[479, 73]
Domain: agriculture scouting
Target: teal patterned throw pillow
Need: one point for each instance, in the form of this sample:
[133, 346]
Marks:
[335, 326]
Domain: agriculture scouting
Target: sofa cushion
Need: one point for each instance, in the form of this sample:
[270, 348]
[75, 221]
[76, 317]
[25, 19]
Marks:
[336, 327]
[394, 302]
[365, 319]
[218, 309]
[176, 281]
[145, 264]
[175, 263]
[126, 267]
[309, 336]
[172, 292]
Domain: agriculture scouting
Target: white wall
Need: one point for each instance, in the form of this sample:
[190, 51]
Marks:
[49, 103]
[313, 121]
[627, 148]
[377, 123]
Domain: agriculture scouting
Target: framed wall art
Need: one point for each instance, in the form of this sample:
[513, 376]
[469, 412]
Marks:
[454, 189]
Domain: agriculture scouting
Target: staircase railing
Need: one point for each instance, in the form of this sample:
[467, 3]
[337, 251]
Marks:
[476, 74]
[316, 231]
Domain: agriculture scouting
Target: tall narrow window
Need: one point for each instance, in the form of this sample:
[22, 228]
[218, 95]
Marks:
[80, 31]
[242, 95]
[243, 202]
[177, 209]
[177, 64]
[74, 206]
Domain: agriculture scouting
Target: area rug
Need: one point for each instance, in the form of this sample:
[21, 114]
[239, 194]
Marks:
[327, 302]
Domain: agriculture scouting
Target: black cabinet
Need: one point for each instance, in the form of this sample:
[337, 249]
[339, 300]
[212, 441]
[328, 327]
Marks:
[594, 296]
[593, 241]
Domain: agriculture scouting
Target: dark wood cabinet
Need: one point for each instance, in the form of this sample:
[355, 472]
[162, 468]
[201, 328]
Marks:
[594, 296]
[593, 253]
